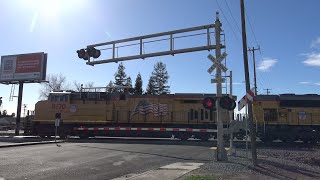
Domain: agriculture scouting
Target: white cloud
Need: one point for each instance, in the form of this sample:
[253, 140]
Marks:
[318, 83]
[266, 64]
[313, 59]
[315, 43]
[305, 82]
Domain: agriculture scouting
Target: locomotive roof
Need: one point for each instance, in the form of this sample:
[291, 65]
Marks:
[288, 97]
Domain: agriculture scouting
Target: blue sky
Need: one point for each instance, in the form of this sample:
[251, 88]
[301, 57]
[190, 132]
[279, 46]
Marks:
[287, 31]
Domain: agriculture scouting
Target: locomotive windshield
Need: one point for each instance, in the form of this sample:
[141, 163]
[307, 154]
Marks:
[59, 96]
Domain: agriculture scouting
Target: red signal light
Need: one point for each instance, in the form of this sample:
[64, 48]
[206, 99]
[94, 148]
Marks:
[209, 103]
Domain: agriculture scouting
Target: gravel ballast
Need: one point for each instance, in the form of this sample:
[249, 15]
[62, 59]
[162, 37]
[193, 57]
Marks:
[284, 162]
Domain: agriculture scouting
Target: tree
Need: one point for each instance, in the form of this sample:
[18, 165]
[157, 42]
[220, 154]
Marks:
[138, 85]
[120, 77]
[129, 82]
[77, 86]
[151, 86]
[160, 76]
[110, 87]
[55, 83]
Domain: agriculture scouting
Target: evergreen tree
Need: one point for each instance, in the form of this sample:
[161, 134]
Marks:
[138, 85]
[151, 86]
[120, 77]
[110, 87]
[129, 82]
[160, 76]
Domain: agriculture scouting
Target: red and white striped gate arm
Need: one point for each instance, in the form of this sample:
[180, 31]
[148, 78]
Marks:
[244, 100]
[143, 129]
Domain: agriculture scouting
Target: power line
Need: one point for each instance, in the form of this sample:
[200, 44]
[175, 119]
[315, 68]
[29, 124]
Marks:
[254, 35]
[233, 16]
[227, 21]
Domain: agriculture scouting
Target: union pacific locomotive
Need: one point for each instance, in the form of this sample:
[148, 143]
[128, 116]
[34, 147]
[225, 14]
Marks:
[91, 113]
[288, 117]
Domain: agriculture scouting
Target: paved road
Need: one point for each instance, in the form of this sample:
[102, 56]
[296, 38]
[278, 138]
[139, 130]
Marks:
[102, 160]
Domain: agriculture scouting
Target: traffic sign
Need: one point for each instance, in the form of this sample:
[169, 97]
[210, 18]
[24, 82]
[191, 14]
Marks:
[211, 68]
[217, 63]
[220, 80]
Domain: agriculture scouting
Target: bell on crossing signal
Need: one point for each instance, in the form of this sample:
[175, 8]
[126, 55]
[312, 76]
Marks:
[227, 103]
[93, 52]
[82, 54]
[209, 103]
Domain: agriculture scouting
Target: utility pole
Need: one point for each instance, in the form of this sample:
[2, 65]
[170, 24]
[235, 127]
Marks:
[231, 119]
[254, 69]
[268, 90]
[246, 70]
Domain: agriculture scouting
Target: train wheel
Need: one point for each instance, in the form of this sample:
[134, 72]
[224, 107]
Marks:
[42, 136]
[83, 137]
[266, 139]
[205, 137]
[183, 137]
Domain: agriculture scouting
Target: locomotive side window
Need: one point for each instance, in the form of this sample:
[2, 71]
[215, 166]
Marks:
[206, 115]
[191, 114]
[196, 114]
[201, 114]
[270, 115]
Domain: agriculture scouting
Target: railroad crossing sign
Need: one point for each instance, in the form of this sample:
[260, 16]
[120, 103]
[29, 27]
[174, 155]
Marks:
[218, 79]
[221, 80]
[217, 63]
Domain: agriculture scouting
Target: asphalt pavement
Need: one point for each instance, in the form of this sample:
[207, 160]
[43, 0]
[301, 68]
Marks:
[97, 160]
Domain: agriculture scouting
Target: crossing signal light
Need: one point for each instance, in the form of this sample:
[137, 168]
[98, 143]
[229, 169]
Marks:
[93, 52]
[227, 103]
[82, 54]
[209, 103]
[89, 52]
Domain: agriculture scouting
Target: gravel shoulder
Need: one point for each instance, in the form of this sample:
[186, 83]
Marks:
[274, 163]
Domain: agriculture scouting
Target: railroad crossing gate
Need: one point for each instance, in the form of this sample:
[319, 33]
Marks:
[244, 100]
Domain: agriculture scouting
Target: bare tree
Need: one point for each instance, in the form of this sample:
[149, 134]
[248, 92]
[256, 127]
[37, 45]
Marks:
[55, 82]
[77, 86]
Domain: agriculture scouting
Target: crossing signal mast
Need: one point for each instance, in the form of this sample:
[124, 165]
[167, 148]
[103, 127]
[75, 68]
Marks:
[91, 53]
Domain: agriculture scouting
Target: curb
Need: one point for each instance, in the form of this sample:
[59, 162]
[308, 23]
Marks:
[29, 143]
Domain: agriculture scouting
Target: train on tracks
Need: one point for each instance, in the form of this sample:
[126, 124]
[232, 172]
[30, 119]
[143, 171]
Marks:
[91, 113]
[88, 113]
[287, 117]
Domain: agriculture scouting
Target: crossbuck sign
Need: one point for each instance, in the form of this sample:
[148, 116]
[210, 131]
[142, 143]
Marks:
[217, 63]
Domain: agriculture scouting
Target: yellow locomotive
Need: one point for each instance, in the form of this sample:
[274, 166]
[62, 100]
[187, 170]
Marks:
[91, 113]
[288, 117]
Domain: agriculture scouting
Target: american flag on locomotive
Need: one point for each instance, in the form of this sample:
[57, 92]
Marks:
[157, 109]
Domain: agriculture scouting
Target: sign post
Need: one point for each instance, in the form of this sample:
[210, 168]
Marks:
[56, 124]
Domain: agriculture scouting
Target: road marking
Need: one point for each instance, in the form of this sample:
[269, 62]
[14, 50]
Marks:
[168, 172]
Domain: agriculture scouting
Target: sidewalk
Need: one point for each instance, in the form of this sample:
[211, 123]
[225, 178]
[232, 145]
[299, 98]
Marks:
[9, 140]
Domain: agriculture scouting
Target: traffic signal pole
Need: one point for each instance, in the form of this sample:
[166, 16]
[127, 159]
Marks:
[221, 151]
